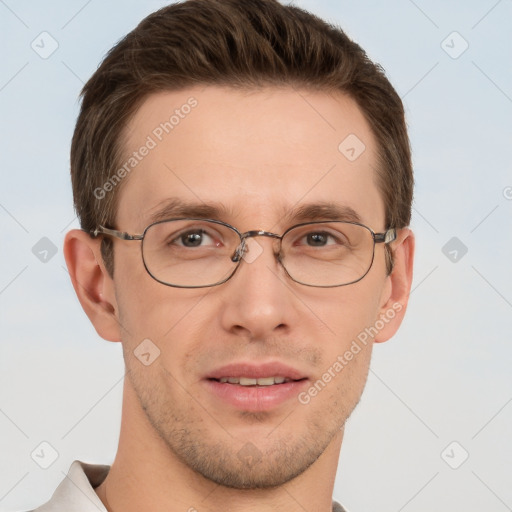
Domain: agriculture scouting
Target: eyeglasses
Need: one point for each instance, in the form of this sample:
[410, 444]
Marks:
[199, 253]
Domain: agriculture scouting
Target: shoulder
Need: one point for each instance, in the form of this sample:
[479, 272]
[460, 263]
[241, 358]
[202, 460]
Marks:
[336, 507]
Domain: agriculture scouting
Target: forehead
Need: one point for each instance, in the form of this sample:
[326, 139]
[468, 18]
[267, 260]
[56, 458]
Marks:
[254, 155]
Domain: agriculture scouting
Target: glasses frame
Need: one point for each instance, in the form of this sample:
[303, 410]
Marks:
[385, 238]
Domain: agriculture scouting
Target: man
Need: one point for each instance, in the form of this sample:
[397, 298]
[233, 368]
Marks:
[242, 175]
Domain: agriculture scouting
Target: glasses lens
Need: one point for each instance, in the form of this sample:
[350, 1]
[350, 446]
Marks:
[189, 253]
[328, 253]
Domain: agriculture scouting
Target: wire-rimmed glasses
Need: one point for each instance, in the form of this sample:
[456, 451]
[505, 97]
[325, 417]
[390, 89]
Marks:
[199, 253]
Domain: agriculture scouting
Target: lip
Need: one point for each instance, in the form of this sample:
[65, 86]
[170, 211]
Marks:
[256, 371]
[255, 398]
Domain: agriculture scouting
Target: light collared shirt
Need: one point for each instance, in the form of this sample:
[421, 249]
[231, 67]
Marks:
[76, 492]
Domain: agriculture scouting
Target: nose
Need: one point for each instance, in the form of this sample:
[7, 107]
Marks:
[246, 243]
[258, 301]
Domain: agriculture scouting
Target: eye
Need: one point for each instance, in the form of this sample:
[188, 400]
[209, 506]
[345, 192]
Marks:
[195, 238]
[319, 239]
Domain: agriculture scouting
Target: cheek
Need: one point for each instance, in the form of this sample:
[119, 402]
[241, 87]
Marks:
[143, 310]
[170, 318]
[346, 312]
[149, 312]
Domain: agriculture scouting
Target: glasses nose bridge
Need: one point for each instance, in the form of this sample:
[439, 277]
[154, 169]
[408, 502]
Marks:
[237, 256]
[258, 232]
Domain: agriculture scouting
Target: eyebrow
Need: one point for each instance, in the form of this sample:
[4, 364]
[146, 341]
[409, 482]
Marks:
[175, 208]
[321, 210]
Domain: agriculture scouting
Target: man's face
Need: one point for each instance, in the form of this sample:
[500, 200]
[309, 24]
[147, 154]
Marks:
[257, 157]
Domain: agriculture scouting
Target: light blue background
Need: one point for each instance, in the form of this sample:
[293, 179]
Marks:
[445, 377]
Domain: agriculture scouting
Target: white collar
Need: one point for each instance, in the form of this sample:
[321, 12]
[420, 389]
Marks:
[76, 491]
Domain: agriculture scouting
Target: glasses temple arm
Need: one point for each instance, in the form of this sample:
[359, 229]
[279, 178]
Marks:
[386, 238]
[101, 230]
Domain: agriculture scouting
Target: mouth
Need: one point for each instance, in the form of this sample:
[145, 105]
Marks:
[252, 381]
[255, 388]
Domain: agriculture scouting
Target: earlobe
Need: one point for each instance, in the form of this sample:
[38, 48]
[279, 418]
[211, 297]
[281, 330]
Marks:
[398, 286]
[92, 283]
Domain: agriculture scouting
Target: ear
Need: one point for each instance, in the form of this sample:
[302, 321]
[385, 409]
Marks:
[92, 283]
[398, 287]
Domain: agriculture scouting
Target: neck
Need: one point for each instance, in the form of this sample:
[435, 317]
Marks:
[146, 475]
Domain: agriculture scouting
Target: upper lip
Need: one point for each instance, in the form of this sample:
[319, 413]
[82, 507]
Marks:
[256, 371]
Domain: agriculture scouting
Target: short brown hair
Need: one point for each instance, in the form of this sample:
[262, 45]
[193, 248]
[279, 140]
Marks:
[237, 43]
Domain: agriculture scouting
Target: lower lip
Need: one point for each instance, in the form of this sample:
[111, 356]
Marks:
[256, 398]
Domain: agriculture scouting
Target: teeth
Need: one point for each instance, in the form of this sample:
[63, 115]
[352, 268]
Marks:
[247, 381]
[266, 381]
